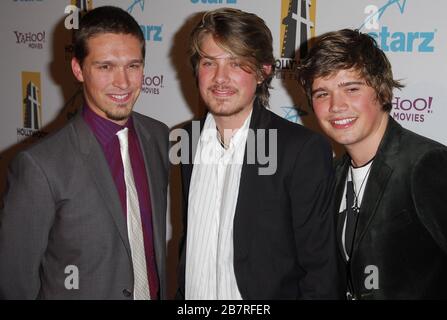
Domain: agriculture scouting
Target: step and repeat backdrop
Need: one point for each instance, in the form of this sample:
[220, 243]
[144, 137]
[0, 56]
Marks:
[40, 94]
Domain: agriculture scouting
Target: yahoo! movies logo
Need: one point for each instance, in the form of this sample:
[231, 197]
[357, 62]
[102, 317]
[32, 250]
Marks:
[34, 40]
[297, 27]
[412, 109]
[152, 84]
[396, 41]
[31, 106]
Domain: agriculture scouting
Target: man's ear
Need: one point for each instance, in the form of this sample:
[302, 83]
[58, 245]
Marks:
[77, 69]
[267, 69]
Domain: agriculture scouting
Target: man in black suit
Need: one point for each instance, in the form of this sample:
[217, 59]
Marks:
[84, 216]
[390, 197]
[257, 188]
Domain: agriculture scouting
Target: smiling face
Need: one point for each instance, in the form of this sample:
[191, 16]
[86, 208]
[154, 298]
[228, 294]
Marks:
[226, 86]
[112, 75]
[348, 111]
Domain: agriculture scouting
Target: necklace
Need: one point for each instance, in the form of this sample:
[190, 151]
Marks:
[221, 141]
[356, 207]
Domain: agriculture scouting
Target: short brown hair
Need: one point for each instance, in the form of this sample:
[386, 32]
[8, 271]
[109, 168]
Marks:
[244, 35]
[105, 19]
[349, 49]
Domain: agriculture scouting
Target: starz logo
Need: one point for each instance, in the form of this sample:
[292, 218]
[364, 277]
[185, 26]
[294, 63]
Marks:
[136, 2]
[396, 41]
[375, 13]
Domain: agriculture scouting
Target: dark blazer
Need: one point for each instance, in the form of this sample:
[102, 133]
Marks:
[62, 209]
[284, 236]
[402, 225]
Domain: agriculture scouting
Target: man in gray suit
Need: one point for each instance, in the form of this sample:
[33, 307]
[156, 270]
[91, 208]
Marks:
[68, 228]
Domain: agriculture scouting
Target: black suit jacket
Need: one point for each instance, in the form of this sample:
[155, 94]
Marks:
[284, 236]
[402, 226]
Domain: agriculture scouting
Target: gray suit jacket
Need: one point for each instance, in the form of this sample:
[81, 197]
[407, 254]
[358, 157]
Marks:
[62, 209]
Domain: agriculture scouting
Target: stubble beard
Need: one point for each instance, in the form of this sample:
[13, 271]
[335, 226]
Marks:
[120, 114]
[219, 109]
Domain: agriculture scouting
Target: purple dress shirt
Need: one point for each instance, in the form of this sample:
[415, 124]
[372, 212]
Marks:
[105, 132]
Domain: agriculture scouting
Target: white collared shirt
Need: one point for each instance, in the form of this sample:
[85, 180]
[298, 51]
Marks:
[212, 203]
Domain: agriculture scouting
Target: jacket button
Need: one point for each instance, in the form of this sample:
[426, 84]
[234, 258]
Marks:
[127, 293]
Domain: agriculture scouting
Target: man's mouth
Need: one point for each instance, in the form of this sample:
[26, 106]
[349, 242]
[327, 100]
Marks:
[342, 123]
[222, 92]
[120, 98]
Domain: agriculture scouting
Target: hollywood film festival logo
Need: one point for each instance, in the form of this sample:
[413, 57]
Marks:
[297, 27]
[31, 106]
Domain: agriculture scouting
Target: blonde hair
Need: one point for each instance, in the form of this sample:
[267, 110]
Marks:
[244, 35]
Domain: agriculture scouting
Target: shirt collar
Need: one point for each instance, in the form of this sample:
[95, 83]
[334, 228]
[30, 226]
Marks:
[103, 129]
[210, 133]
[241, 133]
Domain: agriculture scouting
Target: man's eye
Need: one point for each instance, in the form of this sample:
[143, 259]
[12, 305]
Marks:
[353, 89]
[320, 95]
[206, 63]
[135, 66]
[104, 67]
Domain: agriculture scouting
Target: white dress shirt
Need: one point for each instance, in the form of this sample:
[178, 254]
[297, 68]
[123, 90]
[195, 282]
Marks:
[212, 203]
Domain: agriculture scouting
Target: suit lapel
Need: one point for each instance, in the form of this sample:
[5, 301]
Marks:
[191, 145]
[153, 165]
[260, 119]
[381, 171]
[96, 163]
[377, 181]
[150, 163]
